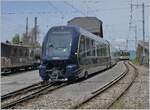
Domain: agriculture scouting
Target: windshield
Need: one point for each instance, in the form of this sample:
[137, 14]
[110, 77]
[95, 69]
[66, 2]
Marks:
[58, 44]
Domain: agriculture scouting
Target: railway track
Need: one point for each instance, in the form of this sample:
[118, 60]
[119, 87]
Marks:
[133, 78]
[17, 92]
[23, 95]
[106, 86]
[11, 99]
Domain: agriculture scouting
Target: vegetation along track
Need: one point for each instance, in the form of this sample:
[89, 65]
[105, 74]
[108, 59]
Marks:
[11, 99]
[106, 86]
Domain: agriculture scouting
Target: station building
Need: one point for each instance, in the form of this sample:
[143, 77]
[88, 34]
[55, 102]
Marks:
[91, 24]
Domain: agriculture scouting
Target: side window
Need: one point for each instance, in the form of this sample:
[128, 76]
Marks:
[18, 52]
[98, 51]
[104, 51]
[14, 51]
[21, 52]
[103, 54]
[88, 47]
[26, 52]
[93, 48]
[82, 44]
[82, 50]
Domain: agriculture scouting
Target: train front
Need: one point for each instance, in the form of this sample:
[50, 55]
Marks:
[58, 58]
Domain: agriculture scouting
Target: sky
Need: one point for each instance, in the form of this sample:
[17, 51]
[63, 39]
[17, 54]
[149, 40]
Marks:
[115, 15]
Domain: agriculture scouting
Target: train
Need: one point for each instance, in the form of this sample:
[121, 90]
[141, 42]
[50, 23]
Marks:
[71, 52]
[124, 55]
[15, 57]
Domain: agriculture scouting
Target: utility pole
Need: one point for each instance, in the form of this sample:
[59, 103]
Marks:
[126, 44]
[143, 57]
[135, 36]
[143, 17]
[35, 30]
[27, 27]
[25, 37]
[143, 22]
[130, 24]
[143, 26]
[34, 37]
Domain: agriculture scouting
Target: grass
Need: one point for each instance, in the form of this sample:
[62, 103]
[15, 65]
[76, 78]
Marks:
[118, 105]
[135, 61]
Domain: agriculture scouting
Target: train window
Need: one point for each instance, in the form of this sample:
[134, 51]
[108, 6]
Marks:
[26, 52]
[20, 51]
[99, 52]
[104, 51]
[11, 52]
[82, 49]
[88, 46]
[96, 48]
[82, 44]
[93, 48]
[31, 53]
[17, 53]
[14, 52]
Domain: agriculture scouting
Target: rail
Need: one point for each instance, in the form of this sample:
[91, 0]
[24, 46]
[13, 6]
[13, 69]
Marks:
[22, 95]
[100, 90]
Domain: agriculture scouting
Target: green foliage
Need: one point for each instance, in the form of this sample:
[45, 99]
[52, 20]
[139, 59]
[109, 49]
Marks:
[16, 39]
[118, 105]
[135, 61]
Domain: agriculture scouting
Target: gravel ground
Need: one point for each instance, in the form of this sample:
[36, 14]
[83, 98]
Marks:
[69, 95]
[137, 96]
[18, 81]
[106, 98]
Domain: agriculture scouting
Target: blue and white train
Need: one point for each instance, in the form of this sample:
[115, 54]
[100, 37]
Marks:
[70, 52]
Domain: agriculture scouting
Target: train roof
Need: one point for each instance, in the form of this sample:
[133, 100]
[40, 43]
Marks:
[84, 32]
[87, 18]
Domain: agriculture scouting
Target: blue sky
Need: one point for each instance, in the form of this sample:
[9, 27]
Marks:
[115, 15]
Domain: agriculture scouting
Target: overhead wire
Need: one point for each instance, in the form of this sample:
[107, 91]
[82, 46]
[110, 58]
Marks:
[72, 6]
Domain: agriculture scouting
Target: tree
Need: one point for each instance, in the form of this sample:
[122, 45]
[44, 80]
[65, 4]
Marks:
[16, 39]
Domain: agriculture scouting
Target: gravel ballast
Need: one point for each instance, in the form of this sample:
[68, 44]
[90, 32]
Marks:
[17, 81]
[70, 95]
[137, 96]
